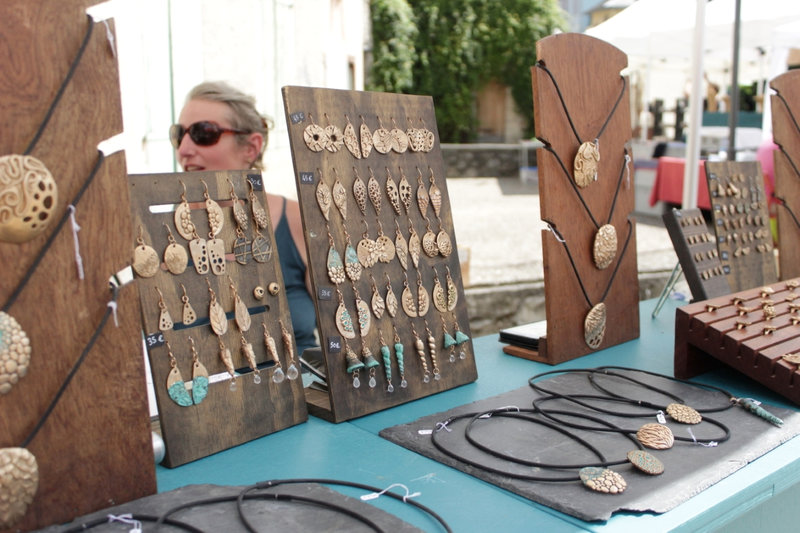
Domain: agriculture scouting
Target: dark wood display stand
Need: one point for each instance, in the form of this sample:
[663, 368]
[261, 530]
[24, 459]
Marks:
[785, 113]
[741, 223]
[342, 400]
[96, 446]
[750, 331]
[587, 73]
[225, 418]
[697, 252]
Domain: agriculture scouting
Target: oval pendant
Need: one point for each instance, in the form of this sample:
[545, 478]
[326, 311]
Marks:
[444, 244]
[429, 244]
[366, 140]
[401, 250]
[386, 249]
[423, 199]
[176, 258]
[399, 140]
[259, 213]
[586, 161]
[602, 480]
[261, 249]
[605, 246]
[183, 221]
[409, 303]
[452, 293]
[215, 218]
[428, 140]
[367, 252]
[439, 297]
[241, 250]
[15, 352]
[655, 436]
[382, 140]
[18, 483]
[324, 198]
[145, 261]
[594, 326]
[646, 462]
[360, 194]
[240, 215]
[683, 414]
[424, 301]
[28, 197]
[344, 322]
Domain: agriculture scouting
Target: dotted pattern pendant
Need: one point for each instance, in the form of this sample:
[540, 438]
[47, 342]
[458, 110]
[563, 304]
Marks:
[335, 266]
[215, 217]
[19, 481]
[594, 326]
[444, 244]
[646, 462]
[374, 193]
[586, 162]
[344, 322]
[683, 414]
[165, 322]
[452, 293]
[183, 220]
[409, 303]
[405, 193]
[429, 244]
[189, 314]
[366, 140]
[240, 215]
[602, 480]
[439, 297]
[364, 317]
[15, 352]
[28, 196]
[199, 253]
[655, 436]
[605, 246]
[394, 195]
[259, 213]
[423, 199]
[216, 255]
[424, 301]
[360, 194]
[351, 264]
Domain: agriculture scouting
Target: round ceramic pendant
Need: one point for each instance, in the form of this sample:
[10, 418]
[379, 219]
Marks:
[382, 140]
[19, 480]
[335, 138]
[594, 326]
[586, 161]
[315, 137]
[655, 436]
[399, 140]
[385, 248]
[145, 261]
[605, 246]
[646, 462]
[602, 480]
[683, 414]
[176, 258]
[261, 249]
[28, 197]
[15, 352]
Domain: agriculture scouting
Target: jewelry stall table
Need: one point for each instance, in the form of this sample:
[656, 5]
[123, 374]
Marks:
[760, 496]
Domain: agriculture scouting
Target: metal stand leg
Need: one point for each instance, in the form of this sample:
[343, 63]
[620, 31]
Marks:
[673, 279]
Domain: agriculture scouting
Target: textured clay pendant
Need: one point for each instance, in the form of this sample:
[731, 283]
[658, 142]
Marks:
[586, 162]
[452, 293]
[183, 220]
[315, 137]
[360, 194]
[199, 253]
[439, 297]
[602, 480]
[386, 249]
[409, 302]
[444, 244]
[655, 436]
[28, 196]
[378, 303]
[391, 302]
[414, 247]
[399, 140]
[429, 244]
[364, 318]
[683, 414]
[382, 140]
[352, 265]
[242, 250]
[259, 213]
[374, 193]
[424, 301]
[19, 481]
[605, 246]
[351, 141]
[15, 352]
[428, 140]
[367, 252]
[216, 255]
[145, 261]
[261, 248]
[335, 140]
[594, 326]
[335, 266]
[176, 388]
[436, 198]
[324, 199]
[366, 140]
[241, 313]
[176, 258]
[240, 215]
[344, 322]
[217, 318]
[340, 198]
[394, 194]
[405, 192]
[646, 462]
[401, 249]
[416, 139]
[423, 199]
[199, 382]
[227, 360]
[165, 322]
[215, 217]
[250, 356]
[189, 315]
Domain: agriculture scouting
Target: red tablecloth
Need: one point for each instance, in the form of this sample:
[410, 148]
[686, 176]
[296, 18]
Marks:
[668, 185]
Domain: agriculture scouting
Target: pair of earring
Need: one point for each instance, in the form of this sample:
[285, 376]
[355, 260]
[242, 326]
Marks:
[165, 322]
[176, 387]
[260, 247]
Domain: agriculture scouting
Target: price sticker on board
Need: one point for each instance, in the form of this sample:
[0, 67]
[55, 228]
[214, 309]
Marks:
[325, 293]
[154, 340]
[297, 117]
[257, 181]
[334, 344]
[307, 178]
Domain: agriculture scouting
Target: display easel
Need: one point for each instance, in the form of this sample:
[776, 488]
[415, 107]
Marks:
[586, 71]
[96, 444]
[400, 348]
[785, 111]
[252, 404]
[741, 223]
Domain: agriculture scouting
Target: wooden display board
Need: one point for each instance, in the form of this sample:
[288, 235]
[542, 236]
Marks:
[741, 223]
[585, 92]
[697, 252]
[751, 331]
[251, 404]
[390, 210]
[96, 445]
[786, 134]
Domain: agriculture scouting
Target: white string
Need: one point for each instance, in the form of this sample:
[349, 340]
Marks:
[504, 408]
[75, 229]
[558, 237]
[628, 169]
[375, 495]
[113, 305]
[126, 519]
[110, 37]
[712, 444]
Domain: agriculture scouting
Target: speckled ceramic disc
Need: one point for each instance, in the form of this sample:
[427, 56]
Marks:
[683, 414]
[655, 436]
[646, 462]
[602, 480]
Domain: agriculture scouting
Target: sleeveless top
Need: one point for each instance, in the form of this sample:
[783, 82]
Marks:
[304, 318]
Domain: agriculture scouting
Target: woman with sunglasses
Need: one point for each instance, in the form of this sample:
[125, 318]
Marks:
[219, 128]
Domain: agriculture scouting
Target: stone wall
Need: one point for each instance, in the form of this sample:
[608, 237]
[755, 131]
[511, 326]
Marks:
[488, 159]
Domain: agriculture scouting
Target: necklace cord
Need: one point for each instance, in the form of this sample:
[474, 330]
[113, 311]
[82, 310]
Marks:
[785, 205]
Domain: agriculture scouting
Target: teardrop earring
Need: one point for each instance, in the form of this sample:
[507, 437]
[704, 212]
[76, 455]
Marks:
[176, 388]
[199, 376]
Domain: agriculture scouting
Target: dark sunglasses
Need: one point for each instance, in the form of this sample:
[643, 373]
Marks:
[201, 133]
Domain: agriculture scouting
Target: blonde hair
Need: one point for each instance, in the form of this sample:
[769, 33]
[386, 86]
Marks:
[244, 115]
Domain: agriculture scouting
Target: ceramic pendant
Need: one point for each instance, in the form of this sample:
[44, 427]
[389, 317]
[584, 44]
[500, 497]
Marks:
[586, 163]
[242, 249]
[409, 302]
[428, 140]
[399, 140]
[216, 255]
[241, 313]
[227, 360]
[215, 217]
[335, 138]
[353, 363]
[240, 214]
[366, 140]
[145, 260]
[189, 316]
[324, 198]
[360, 194]
[655, 436]
[605, 246]
[378, 303]
[28, 197]
[683, 414]
[352, 266]
[435, 195]
[176, 388]
[429, 244]
[646, 462]
[401, 249]
[199, 253]
[364, 317]
[340, 198]
[386, 249]
[176, 258]
[439, 297]
[602, 480]
[19, 481]
[414, 247]
[374, 193]
[444, 244]
[351, 141]
[15, 352]
[793, 358]
[423, 199]
[416, 139]
[183, 220]
[344, 322]
[367, 251]
[217, 318]
[393, 193]
[315, 137]
[382, 140]
[594, 326]
[452, 293]
[165, 322]
[335, 266]
[199, 382]
[259, 213]
[405, 192]
[249, 354]
[423, 301]
[391, 301]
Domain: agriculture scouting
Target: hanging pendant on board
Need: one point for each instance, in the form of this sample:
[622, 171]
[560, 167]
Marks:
[175, 256]
[423, 300]
[217, 317]
[344, 322]
[429, 244]
[199, 252]
[399, 140]
[435, 195]
[409, 302]
[335, 267]
[351, 141]
[259, 213]
[605, 246]
[392, 305]
[594, 326]
[366, 139]
[261, 249]
[393, 193]
[216, 255]
[352, 266]
[404, 188]
[241, 313]
[215, 217]
[339, 195]
[586, 163]
[414, 247]
[28, 197]
[189, 316]
[401, 249]
[324, 198]
[367, 252]
[452, 292]
[241, 248]
[439, 297]
[382, 140]
[423, 199]
[364, 317]
[176, 388]
[183, 217]
[378, 303]
[315, 137]
[443, 243]
[145, 260]
[386, 248]
[335, 138]
[360, 194]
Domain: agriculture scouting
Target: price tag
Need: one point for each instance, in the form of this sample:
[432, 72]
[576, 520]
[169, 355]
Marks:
[325, 293]
[257, 180]
[297, 117]
[334, 344]
[154, 340]
[307, 178]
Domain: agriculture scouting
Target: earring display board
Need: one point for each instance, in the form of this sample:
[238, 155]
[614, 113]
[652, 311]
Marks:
[697, 252]
[586, 197]
[741, 223]
[756, 331]
[98, 432]
[382, 251]
[786, 134]
[214, 313]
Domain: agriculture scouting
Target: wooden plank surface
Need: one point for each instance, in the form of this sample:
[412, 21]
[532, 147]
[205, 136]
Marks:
[96, 446]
